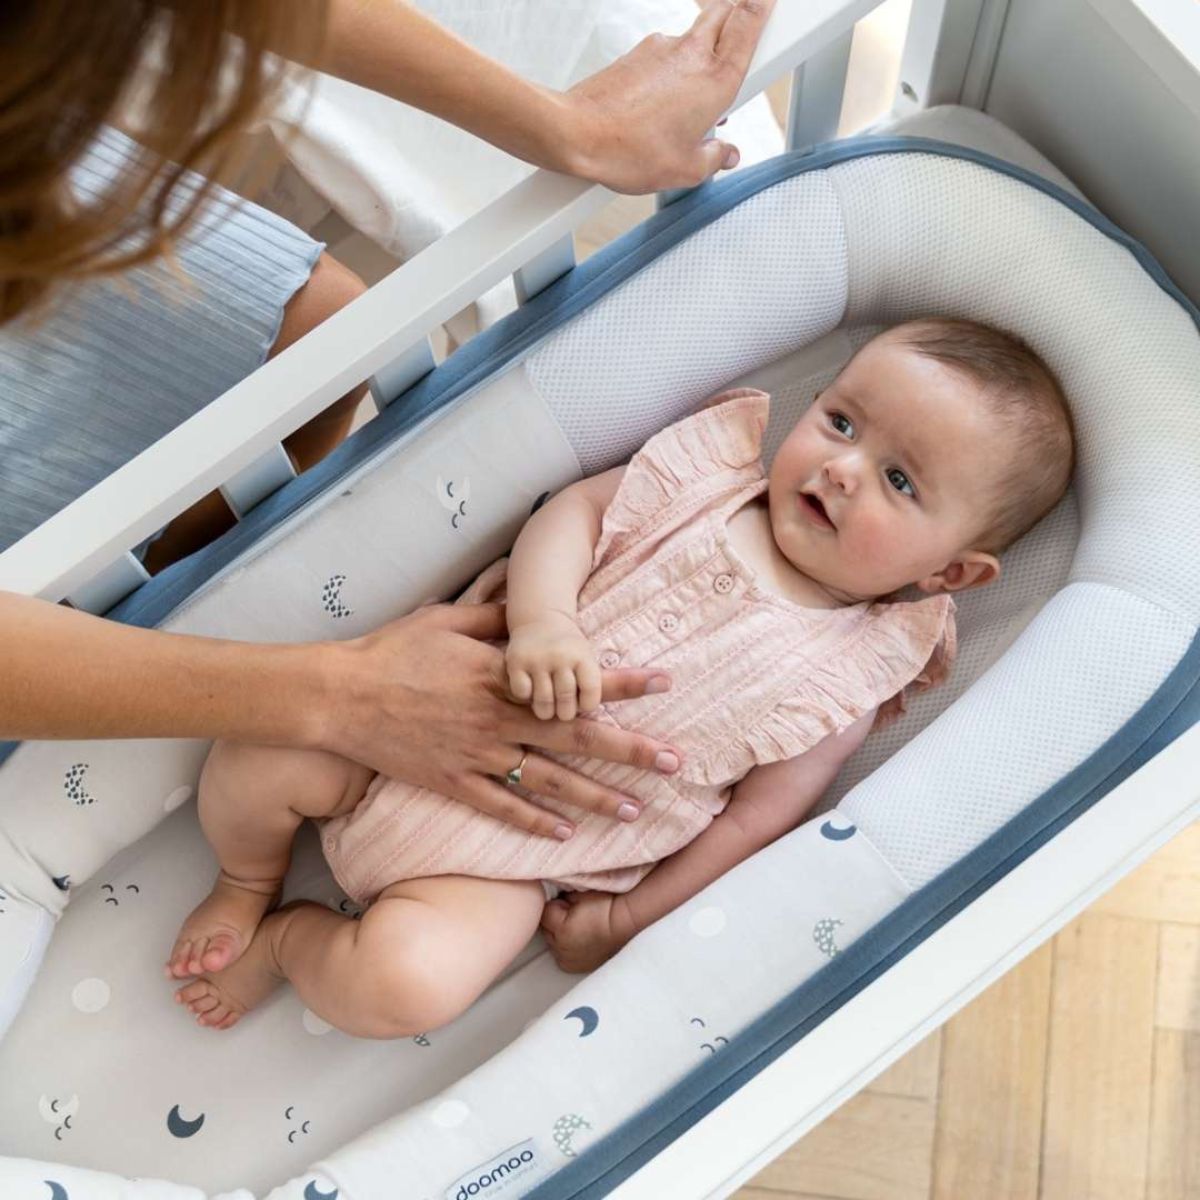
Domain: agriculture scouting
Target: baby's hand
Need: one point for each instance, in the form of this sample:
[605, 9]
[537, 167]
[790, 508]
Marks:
[550, 661]
[585, 929]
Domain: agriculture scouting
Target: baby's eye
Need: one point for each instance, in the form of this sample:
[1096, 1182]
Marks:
[900, 481]
[842, 423]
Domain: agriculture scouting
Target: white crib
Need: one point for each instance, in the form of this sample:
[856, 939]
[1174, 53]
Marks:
[1119, 110]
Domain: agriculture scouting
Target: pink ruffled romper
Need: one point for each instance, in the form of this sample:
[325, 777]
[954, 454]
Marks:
[755, 677]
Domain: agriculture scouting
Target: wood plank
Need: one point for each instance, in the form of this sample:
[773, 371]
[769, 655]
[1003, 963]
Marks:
[1175, 1121]
[1098, 1081]
[1178, 1004]
[989, 1115]
[872, 1148]
[760, 1193]
[916, 1074]
[1164, 888]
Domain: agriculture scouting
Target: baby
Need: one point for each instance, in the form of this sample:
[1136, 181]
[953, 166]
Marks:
[769, 599]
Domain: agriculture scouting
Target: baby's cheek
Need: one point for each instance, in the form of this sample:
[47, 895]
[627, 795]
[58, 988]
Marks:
[875, 542]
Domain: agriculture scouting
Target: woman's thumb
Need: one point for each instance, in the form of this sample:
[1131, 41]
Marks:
[483, 621]
[721, 156]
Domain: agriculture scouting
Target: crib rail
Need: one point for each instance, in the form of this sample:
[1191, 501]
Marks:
[83, 551]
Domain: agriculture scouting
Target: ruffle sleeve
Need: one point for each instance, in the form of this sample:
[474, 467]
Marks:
[896, 646]
[673, 474]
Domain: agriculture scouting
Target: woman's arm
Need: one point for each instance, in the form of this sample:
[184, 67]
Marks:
[422, 699]
[637, 126]
[768, 803]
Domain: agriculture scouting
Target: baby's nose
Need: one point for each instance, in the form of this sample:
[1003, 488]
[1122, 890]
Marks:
[842, 473]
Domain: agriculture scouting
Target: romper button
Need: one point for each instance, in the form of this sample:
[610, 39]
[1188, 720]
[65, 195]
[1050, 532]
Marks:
[609, 659]
[668, 622]
[723, 583]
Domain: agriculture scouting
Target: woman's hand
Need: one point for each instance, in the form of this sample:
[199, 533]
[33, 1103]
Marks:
[639, 125]
[585, 929]
[551, 664]
[425, 699]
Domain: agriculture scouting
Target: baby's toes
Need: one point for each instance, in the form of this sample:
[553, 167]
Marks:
[222, 949]
[213, 1017]
[205, 1005]
[177, 964]
[192, 992]
[195, 960]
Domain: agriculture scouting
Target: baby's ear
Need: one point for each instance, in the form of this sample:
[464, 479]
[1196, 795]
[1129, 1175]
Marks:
[971, 569]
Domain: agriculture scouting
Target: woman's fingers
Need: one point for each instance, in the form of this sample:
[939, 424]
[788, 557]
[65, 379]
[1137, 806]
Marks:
[481, 621]
[553, 780]
[731, 30]
[641, 124]
[628, 683]
[417, 700]
[596, 739]
[507, 805]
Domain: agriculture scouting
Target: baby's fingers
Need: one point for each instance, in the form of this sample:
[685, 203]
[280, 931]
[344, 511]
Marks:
[543, 695]
[520, 685]
[554, 916]
[587, 675]
[565, 692]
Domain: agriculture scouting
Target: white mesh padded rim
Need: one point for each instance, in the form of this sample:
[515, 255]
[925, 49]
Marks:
[717, 304]
[925, 234]
[930, 234]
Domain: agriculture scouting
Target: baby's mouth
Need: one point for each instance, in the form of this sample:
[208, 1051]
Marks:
[812, 508]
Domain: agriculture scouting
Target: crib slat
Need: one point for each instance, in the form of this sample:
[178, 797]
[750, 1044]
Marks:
[401, 373]
[257, 481]
[818, 87]
[939, 47]
[540, 272]
[305, 379]
[114, 583]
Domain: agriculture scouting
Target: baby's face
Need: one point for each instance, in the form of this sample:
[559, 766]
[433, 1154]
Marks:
[886, 479]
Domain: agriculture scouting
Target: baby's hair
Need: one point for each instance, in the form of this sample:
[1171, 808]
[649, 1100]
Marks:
[1024, 394]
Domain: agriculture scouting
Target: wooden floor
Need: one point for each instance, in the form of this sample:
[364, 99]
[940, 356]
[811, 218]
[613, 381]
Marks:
[1075, 1077]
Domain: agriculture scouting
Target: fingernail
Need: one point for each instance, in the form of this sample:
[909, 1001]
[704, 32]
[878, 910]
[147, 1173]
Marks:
[563, 832]
[660, 683]
[731, 159]
[628, 812]
[666, 761]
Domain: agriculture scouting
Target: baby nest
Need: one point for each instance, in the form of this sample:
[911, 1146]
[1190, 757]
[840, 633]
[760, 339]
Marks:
[1073, 671]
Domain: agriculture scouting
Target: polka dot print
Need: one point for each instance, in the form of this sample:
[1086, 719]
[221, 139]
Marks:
[331, 598]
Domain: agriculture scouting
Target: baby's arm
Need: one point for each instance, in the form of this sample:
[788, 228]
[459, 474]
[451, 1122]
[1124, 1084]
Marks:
[587, 928]
[549, 564]
[768, 803]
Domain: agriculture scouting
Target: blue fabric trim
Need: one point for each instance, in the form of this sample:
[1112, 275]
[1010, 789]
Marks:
[513, 337]
[1174, 708]
[517, 334]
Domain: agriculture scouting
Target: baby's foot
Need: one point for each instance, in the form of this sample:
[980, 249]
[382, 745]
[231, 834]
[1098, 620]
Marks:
[220, 999]
[219, 928]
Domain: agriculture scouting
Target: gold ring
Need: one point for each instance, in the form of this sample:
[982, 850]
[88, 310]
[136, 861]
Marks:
[514, 776]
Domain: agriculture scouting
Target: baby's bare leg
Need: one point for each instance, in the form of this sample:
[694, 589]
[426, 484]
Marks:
[252, 800]
[420, 956]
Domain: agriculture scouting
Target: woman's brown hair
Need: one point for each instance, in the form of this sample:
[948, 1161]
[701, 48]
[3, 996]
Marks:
[69, 66]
